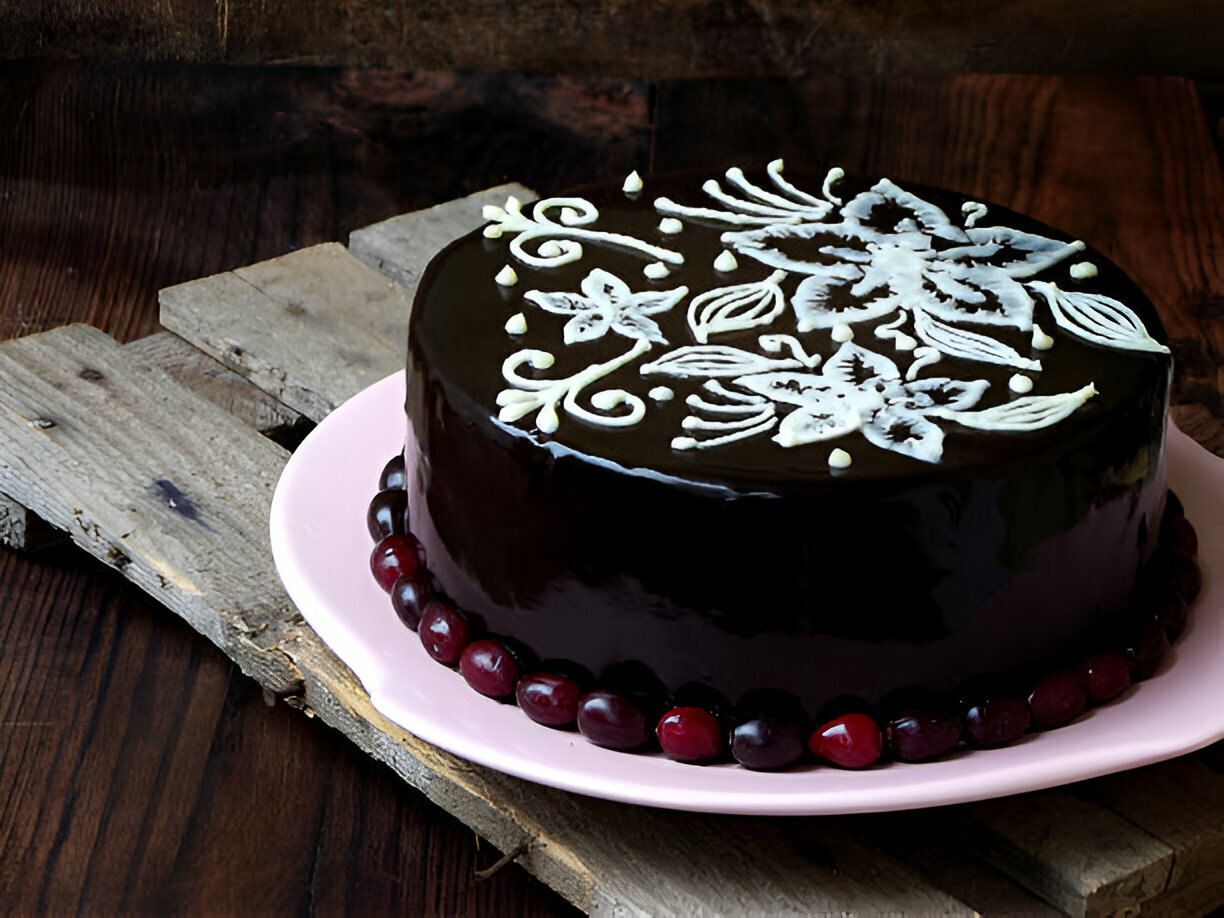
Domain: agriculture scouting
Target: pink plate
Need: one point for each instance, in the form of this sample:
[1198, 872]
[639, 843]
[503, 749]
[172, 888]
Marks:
[322, 548]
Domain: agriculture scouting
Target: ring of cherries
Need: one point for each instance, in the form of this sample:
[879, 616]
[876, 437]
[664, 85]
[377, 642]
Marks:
[628, 708]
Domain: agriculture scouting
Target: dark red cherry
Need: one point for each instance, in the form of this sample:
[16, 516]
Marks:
[772, 704]
[1105, 676]
[393, 473]
[388, 514]
[610, 718]
[1057, 699]
[1148, 647]
[710, 700]
[393, 557]
[996, 722]
[636, 680]
[549, 698]
[409, 596]
[444, 632]
[489, 667]
[766, 744]
[1183, 540]
[916, 736]
[1173, 612]
[1173, 506]
[851, 741]
[1187, 578]
[690, 734]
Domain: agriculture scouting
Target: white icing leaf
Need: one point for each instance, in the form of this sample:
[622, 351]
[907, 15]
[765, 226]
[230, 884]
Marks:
[937, 392]
[810, 425]
[559, 303]
[807, 248]
[1018, 253]
[713, 360]
[858, 367]
[905, 432]
[811, 299]
[921, 215]
[791, 388]
[735, 308]
[587, 326]
[1098, 319]
[1024, 414]
[956, 342]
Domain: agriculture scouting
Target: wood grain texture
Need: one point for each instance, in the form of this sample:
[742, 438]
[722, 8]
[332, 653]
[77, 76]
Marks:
[657, 38]
[118, 180]
[200, 549]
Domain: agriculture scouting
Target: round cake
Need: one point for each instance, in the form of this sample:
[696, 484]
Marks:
[814, 434]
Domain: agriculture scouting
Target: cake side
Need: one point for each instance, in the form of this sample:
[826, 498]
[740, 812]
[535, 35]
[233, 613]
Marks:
[760, 560]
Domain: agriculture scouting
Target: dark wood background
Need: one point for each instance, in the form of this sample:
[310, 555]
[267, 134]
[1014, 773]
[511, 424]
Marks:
[651, 38]
[138, 770]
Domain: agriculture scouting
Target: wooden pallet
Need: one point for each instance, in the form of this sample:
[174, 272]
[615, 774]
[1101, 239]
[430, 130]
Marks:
[159, 457]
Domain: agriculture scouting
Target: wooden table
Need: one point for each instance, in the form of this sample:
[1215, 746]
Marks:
[138, 769]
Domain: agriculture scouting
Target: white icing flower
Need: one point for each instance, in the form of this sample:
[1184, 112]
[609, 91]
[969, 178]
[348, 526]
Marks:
[606, 304]
[895, 253]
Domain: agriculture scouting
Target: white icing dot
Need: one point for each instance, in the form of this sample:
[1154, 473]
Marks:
[1020, 383]
[551, 249]
[493, 231]
[904, 342]
[661, 394]
[507, 276]
[547, 419]
[1083, 270]
[839, 459]
[540, 360]
[670, 225]
[656, 270]
[633, 183]
[1041, 341]
[842, 333]
[516, 324]
[570, 217]
[683, 443]
[725, 262]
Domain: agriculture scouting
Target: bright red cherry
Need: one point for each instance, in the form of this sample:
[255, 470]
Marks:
[550, 699]
[852, 741]
[393, 557]
[689, 734]
[489, 667]
[444, 632]
[1106, 676]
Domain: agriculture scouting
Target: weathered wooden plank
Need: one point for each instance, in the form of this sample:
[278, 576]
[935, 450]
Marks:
[683, 38]
[1081, 857]
[220, 385]
[1181, 803]
[311, 328]
[24, 531]
[401, 247]
[173, 491]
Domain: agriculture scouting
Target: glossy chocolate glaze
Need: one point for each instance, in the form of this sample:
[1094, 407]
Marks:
[750, 565]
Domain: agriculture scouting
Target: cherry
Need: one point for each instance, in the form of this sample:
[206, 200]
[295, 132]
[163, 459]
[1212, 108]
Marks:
[1105, 676]
[444, 632]
[489, 667]
[409, 595]
[394, 556]
[690, 734]
[1148, 647]
[393, 473]
[1173, 506]
[710, 700]
[996, 722]
[767, 744]
[388, 514]
[1187, 578]
[916, 736]
[772, 704]
[1173, 612]
[853, 740]
[549, 698]
[612, 719]
[1183, 540]
[1057, 699]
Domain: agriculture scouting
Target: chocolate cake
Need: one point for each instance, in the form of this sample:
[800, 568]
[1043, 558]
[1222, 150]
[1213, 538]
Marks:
[815, 436]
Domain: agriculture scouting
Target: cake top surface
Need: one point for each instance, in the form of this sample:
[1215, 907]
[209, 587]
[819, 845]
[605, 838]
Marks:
[748, 329]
